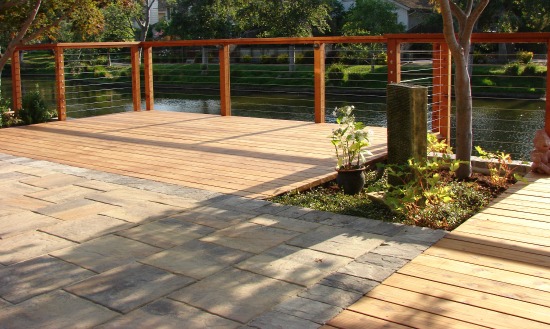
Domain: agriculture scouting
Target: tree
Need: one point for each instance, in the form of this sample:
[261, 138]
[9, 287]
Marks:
[372, 17]
[459, 45]
[25, 21]
[283, 18]
[203, 19]
[141, 12]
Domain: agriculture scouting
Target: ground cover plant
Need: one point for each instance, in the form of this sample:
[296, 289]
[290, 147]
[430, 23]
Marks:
[430, 195]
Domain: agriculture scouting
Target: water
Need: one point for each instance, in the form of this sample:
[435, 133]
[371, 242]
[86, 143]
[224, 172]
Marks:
[506, 125]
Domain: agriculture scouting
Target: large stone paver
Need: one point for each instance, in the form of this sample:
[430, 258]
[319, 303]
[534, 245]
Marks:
[285, 223]
[29, 245]
[299, 266]
[54, 310]
[142, 212]
[74, 209]
[214, 217]
[37, 276]
[86, 228]
[11, 189]
[250, 237]
[236, 295]
[167, 233]
[62, 193]
[128, 287]
[169, 314]
[339, 241]
[197, 259]
[105, 253]
[22, 202]
[23, 221]
[52, 181]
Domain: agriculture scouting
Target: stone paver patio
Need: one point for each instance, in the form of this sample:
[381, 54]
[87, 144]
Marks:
[81, 248]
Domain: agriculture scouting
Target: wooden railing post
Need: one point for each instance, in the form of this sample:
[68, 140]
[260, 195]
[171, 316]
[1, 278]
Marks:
[225, 83]
[17, 95]
[136, 86]
[60, 84]
[394, 61]
[547, 122]
[441, 99]
[148, 75]
[319, 83]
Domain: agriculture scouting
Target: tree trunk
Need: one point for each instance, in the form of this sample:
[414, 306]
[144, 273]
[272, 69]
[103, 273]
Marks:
[463, 102]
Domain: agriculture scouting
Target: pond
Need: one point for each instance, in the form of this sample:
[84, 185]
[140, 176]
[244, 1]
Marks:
[499, 124]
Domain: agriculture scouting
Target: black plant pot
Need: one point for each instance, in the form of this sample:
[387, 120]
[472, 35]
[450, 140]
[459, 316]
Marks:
[352, 180]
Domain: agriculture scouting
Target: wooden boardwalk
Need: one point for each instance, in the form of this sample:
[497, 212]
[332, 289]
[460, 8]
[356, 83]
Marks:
[492, 271]
[250, 157]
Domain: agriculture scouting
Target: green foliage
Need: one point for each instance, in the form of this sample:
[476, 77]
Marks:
[428, 194]
[35, 109]
[282, 59]
[246, 59]
[349, 139]
[372, 17]
[534, 70]
[501, 174]
[266, 59]
[335, 72]
[330, 198]
[513, 69]
[524, 57]
[297, 18]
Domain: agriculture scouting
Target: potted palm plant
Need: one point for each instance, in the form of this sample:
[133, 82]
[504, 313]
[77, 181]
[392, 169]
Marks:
[350, 140]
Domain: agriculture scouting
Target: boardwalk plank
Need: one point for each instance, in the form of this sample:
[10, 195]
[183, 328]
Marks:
[446, 307]
[450, 276]
[405, 315]
[470, 297]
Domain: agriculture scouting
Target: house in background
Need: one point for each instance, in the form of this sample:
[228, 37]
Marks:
[412, 13]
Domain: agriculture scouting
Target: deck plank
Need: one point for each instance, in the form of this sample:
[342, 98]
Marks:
[493, 270]
[251, 157]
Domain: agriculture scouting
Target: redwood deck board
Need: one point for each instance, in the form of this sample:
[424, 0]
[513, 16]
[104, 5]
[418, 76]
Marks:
[251, 157]
[492, 271]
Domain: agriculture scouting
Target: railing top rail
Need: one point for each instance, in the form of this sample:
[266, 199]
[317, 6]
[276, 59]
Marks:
[519, 37]
[79, 45]
[525, 37]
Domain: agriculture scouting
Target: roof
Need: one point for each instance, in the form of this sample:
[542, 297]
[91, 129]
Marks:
[415, 4]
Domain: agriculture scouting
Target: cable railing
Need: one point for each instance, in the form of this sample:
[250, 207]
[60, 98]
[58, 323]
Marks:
[303, 79]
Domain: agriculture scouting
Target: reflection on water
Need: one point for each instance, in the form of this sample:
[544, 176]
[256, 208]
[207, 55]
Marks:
[506, 125]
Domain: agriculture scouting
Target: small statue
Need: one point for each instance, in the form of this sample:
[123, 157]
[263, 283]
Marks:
[541, 154]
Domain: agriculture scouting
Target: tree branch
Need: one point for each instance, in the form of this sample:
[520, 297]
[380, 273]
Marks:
[469, 7]
[468, 27]
[9, 4]
[456, 10]
[448, 27]
[20, 35]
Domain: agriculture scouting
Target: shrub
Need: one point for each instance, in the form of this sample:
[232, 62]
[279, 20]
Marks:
[534, 70]
[524, 57]
[305, 57]
[335, 72]
[381, 58]
[34, 108]
[512, 69]
[246, 59]
[266, 59]
[282, 59]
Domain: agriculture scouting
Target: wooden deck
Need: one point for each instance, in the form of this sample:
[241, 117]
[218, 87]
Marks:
[492, 271]
[250, 157]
